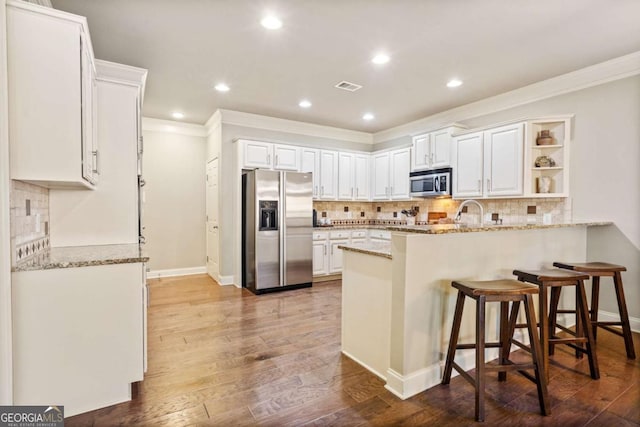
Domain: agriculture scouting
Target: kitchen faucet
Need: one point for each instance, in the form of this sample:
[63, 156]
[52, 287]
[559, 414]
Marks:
[465, 203]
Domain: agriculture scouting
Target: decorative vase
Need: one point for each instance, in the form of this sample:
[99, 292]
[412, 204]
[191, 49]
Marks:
[544, 138]
[544, 184]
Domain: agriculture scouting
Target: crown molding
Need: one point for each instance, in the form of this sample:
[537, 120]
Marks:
[122, 74]
[284, 125]
[604, 72]
[214, 122]
[169, 126]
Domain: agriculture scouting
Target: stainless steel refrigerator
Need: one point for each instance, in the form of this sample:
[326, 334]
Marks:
[276, 230]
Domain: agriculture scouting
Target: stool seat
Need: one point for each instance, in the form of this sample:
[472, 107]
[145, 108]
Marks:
[590, 267]
[494, 287]
[549, 275]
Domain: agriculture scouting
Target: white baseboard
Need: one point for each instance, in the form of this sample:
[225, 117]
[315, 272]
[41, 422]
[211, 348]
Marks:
[606, 316]
[155, 274]
[364, 365]
[225, 280]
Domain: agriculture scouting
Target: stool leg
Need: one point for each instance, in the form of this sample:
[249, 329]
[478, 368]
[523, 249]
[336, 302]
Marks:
[480, 319]
[544, 328]
[580, 330]
[536, 354]
[583, 311]
[505, 339]
[595, 299]
[553, 315]
[506, 344]
[453, 341]
[624, 316]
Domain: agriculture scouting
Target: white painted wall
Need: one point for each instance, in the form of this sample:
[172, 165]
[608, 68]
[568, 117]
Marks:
[6, 368]
[174, 209]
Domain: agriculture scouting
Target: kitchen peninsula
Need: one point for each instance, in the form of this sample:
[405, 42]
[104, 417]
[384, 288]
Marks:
[397, 300]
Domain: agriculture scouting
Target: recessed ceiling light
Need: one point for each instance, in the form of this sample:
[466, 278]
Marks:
[177, 115]
[305, 103]
[454, 83]
[221, 87]
[368, 116]
[271, 22]
[380, 59]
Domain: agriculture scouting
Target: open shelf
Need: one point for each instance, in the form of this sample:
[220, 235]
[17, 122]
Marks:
[549, 168]
[560, 130]
[536, 147]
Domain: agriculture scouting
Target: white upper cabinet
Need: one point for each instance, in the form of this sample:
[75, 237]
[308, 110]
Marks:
[400, 166]
[257, 154]
[361, 176]
[346, 171]
[432, 150]
[503, 158]
[420, 152]
[328, 175]
[468, 164]
[390, 175]
[286, 157]
[380, 176]
[489, 163]
[310, 162]
[51, 75]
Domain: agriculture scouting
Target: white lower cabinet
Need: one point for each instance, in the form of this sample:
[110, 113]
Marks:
[78, 335]
[335, 255]
[320, 260]
[327, 257]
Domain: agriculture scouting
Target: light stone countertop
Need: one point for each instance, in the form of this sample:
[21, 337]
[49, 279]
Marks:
[83, 256]
[381, 249]
[471, 228]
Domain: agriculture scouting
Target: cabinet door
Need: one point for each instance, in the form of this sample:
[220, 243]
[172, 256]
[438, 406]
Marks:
[335, 255]
[257, 154]
[87, 74]
[320, 258]
[285, 157]
[361, 177]
[380, 177]
[310, 162]
[400, 165]
[345, 176]
[440, 149]
[420, 153]
[468, 165]
[503, 160]
[328, 175]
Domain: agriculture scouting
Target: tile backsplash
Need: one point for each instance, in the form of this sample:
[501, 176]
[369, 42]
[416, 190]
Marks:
[29, 220]
[510, 211]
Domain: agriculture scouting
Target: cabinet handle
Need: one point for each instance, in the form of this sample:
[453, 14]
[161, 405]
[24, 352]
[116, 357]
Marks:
[315, 191]
[325, 249]
[425, 159]
[276, 160]
[488, 184]
[322, 190]
[331, 249]
[480, 185]
[391, 192]
[352, 192]
[141, 144]
[357, 192]
[95, 164]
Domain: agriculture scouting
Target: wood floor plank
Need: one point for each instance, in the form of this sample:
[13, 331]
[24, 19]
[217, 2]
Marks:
[221, 356]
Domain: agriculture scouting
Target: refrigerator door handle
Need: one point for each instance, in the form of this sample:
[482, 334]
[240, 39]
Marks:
[283, 229]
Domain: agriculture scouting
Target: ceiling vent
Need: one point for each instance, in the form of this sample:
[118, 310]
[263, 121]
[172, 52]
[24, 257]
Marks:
[351, 87]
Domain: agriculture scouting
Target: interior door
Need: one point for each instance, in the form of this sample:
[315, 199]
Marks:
[213, 238]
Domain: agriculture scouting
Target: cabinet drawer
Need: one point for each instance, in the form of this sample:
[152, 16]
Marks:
[339, 234]
[357, 234]
[320, 235]
[380, 234]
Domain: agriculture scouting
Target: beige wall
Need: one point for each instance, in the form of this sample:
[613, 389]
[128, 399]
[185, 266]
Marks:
[174, 212]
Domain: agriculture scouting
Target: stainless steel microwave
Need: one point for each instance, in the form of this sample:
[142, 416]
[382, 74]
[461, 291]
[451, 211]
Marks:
[431, 183]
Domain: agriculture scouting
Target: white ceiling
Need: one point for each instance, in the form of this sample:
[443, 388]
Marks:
[492, 45]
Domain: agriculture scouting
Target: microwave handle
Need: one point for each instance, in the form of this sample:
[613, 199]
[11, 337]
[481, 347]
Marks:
[436, 184]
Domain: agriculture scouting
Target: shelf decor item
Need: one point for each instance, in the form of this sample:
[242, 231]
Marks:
[544, 138]
[544, 184]
[544, 162]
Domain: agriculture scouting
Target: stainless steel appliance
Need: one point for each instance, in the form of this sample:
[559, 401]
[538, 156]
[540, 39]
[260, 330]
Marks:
[431, 183]
[276, 230]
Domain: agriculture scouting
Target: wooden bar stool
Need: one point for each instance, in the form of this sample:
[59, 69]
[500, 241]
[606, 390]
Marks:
[503, 291]
[597, 270]
[555, 279]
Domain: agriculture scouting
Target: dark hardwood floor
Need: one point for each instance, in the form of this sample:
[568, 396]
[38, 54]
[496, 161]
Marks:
[221, 356]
